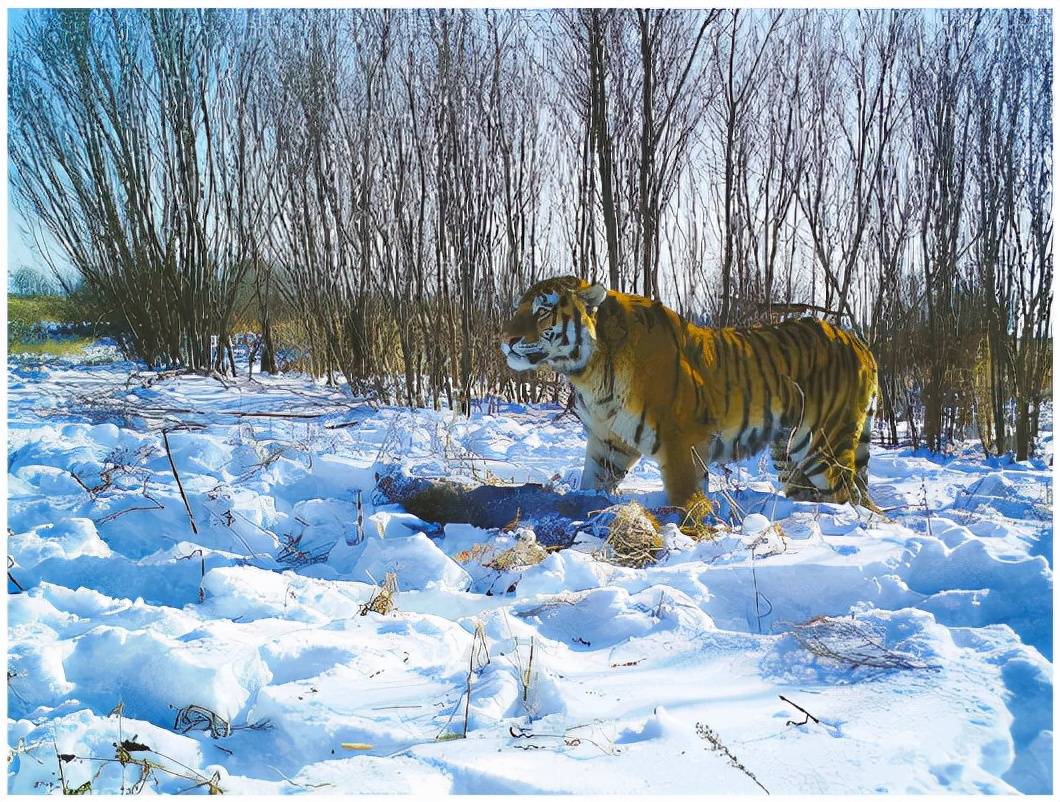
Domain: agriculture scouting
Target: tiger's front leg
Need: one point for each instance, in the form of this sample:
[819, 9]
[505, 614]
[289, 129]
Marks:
[606, 464]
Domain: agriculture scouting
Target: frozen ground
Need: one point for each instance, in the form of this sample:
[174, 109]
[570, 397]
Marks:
[665, 679]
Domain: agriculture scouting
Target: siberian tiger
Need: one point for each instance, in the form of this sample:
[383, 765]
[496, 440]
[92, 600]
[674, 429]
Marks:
[650, 383]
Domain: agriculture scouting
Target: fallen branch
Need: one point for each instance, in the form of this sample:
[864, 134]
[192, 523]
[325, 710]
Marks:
[341, 425]
[145, 380]
[197, 717]
[277, 415]
[800, 309]
[486, 506]
[851, 642]
[117, 514]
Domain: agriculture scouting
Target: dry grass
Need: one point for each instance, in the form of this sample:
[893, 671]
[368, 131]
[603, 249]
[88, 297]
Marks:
[57, 347]
[694, 523]
[633, 538]
[708, 734]
[382, 601]
[523, 554]
[477, 553]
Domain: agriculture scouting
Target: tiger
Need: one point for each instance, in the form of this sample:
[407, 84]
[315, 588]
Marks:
[649, 383]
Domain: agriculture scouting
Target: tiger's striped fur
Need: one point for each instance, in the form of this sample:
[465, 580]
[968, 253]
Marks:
[650, 383]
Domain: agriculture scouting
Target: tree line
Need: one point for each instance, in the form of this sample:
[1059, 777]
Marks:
[375, 188]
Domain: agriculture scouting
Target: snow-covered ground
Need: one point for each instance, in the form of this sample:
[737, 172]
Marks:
[584, 676]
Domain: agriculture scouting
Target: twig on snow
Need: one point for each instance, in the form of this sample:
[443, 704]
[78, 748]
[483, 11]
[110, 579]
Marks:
[809, 716]
[10, 578]
[180, 485]
[709, 735]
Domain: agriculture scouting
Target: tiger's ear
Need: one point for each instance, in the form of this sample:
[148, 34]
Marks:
[593, 295]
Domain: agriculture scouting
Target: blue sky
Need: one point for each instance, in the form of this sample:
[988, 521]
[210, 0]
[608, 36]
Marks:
[19, 253]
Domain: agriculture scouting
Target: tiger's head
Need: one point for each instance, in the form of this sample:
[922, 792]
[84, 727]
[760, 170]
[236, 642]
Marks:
[554, 325]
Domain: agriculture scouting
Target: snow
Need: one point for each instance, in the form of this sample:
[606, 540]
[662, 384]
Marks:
[585, 676]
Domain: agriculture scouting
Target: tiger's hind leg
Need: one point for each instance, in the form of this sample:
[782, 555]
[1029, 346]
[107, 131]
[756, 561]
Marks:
[796, 486]
[836, 464]
[828, 462]
[850, 481]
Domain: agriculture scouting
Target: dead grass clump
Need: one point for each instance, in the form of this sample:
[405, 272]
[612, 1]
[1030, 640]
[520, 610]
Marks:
[695, 517]
[478, 553]
[851, 642]
[382, 600]
[522, 555]
[633, 538]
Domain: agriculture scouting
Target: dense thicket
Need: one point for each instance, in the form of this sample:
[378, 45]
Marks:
[380, 185]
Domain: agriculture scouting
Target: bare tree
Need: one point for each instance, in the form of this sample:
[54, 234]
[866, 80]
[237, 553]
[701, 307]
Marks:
[669, 116]
[940, 142]
[1012, 249]
[852, 132]
[739, 53]
[377, 187]
[125, 147]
